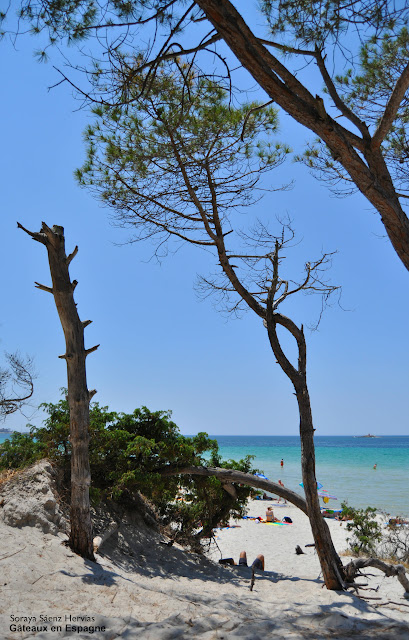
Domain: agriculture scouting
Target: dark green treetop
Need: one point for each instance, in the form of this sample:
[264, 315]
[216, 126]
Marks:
[158, 159]
[128, 453]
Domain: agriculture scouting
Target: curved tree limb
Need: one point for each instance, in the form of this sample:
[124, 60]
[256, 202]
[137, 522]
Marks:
[272, 319]
[339, 103]
[330, 562]
[397, 570]
[232, 475]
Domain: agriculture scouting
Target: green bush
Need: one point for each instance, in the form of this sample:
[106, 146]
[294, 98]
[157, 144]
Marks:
[21, 450]
[127, 454]
[365, 529]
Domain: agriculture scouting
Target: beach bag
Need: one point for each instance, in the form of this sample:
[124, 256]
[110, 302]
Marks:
[287, 519]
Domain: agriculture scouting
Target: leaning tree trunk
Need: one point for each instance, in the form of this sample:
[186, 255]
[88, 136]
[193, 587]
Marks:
[331, 564]
[81, 537]
[361, 156]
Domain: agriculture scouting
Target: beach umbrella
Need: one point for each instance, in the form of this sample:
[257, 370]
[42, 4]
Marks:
[324, 494]
[319, 485]
[261, 475]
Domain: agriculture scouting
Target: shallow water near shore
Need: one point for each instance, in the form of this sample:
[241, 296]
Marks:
[344, 465]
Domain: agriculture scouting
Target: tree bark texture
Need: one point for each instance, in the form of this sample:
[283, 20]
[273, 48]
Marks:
[360, 156]
[331, 564]
[81, 536]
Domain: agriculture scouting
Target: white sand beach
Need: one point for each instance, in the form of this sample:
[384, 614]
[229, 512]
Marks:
[141, 588]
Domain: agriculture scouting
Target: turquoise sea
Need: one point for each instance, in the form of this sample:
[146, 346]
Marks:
[4, 436]
[344, 465]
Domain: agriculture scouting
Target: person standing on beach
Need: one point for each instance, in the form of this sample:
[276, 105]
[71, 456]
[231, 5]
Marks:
[282, 485]
[282, 462]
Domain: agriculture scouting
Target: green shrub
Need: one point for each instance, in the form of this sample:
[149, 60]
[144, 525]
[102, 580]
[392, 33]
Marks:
[127, 454]
[365, 529]
[21, 450]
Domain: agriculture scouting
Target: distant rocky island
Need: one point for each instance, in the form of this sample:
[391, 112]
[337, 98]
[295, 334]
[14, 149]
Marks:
[5, 431]
[368, 435]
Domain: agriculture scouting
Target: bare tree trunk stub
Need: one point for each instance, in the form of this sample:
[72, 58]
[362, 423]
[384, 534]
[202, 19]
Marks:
[81, 537]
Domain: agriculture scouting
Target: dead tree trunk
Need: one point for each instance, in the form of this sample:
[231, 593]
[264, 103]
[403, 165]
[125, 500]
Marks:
[81, 537]
[331, 564]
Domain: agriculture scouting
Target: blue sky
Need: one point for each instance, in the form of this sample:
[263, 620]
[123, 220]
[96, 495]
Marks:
[162, 347]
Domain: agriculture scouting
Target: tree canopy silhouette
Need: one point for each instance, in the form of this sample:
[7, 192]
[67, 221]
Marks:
[339, 69]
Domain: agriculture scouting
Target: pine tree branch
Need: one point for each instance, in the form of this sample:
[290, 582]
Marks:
[391, 109]
[130, 24]
[339, 103]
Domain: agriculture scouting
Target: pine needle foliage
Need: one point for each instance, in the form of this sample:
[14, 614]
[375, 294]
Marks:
[149, 159]
[354, 54]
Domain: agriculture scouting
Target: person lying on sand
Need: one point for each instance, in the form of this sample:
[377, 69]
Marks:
[257, 564]
[328, 514]
[398, 520]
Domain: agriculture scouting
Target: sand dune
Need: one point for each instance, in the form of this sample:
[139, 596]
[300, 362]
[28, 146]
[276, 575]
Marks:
[143, 589]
